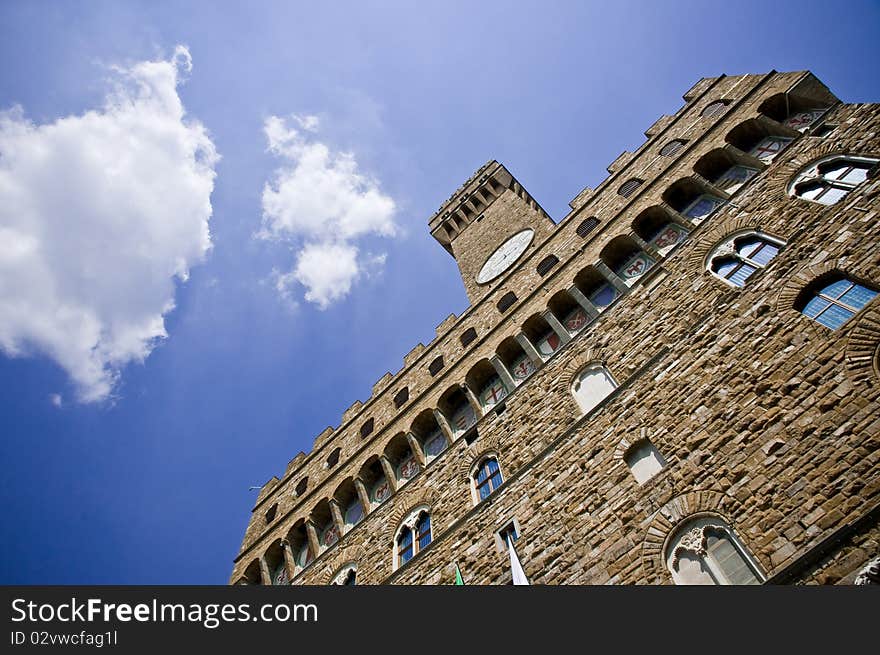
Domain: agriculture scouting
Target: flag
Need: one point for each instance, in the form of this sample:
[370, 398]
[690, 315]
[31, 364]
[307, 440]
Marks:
[458, 579]
[516, 569]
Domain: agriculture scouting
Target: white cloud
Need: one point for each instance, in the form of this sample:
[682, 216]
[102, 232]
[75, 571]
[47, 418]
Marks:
[55, 399]
[320, 199]
[99, 214]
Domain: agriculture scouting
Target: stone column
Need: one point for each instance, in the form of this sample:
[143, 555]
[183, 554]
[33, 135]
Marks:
[363, 495]
[337, 517]
[289, 561]
[445, 428]
[390, 473]
[613, 278]
[558, 328]
[416, 449]
[647, 247]
[583, 301]
[503, 373]
[473, 400]
[265, 576]
[529, 349]
[312, 534]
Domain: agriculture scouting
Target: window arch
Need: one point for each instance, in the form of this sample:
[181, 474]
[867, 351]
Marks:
[301, 486]
[591, 386]
[672, 148]
[738, 257]
[829, 180]
[346, 576]
[629, 187]
[587, 226]
[833, 301]
[468, 336]
[715, 108]
[413, 536]
[705, 551]
[546, 264]
[332, 459]
[486, 477]
[644, 460]
[506, 301]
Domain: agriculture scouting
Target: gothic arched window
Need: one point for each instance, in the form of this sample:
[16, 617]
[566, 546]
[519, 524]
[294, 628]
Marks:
[346, 576]
[487, 478]
[591, 386]
[737, 258]
[413, 536]
[833, 303]
[705, 551]
[829, 180]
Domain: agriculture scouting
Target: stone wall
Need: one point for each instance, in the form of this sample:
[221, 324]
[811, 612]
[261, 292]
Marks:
[763, 416]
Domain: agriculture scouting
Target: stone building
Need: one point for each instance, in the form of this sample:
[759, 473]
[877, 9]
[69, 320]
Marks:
[676, 383]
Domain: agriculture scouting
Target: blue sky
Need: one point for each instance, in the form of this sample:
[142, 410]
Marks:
[127, 455]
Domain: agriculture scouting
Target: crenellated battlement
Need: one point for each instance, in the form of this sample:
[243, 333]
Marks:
[560, 275]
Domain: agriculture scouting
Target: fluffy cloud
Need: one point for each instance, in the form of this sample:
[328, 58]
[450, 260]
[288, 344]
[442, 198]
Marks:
[319, 199]
[99, 215]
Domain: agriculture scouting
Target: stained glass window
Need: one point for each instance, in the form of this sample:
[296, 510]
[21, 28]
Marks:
[835, 303]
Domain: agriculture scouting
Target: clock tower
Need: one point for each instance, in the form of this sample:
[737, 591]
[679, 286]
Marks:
[488, 225]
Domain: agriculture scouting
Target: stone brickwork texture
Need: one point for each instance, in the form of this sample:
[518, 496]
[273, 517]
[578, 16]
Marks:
[764, 417]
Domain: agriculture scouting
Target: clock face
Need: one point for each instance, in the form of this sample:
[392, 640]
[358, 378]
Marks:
[504, 256]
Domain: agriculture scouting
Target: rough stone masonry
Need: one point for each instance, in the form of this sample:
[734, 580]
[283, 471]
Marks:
[762, 419]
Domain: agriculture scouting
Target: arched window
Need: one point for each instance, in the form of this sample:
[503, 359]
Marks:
[629, 187]
[833, 303]
[546, 264]
[468, 336]
[715, 108]
[436, 366]
[644, 460]
[672, 148]
[401, 397]
[346, 576]
[587, 226]
[487, 478]
[829, 180]
[591, 386]
[705, 551]
[506, 301]
[413, 536]
[332, 459]
[302, 486]
[737, 258]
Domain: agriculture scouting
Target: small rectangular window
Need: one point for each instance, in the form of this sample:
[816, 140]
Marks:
[509, 531]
